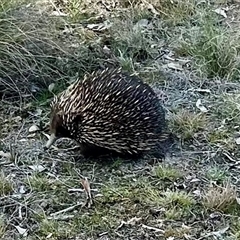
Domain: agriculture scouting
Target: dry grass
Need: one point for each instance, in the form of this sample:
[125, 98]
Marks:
[187, 124]
[215, 51]
[220, 198]
[2, 226]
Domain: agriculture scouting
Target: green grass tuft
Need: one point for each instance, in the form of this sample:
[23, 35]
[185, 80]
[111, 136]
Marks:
[214, 51]
[54, 229]
[6, 184]
[217, 174]
[235, 227]
[221, 198]
[176, 12]
[228, 108]
[177, 204]
[179, 198]
[9, 5]
[41, 183]
[167, 173]
[186, 124]
[177, 232]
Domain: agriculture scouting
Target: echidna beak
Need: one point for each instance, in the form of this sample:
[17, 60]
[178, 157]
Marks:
[50, 141]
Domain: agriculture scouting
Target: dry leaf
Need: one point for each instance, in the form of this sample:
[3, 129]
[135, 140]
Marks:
[197, 193]
[32, 135]
[151, 8]
[237, 140]
[22, 231]
[86, 186]
[134, 220]
[201, 90]
[51, 87]
[175, 66]
[238, 200]
[215, 215]
[106, 50]
[22, 189]
[98, 27]
[221, 12]
[37, 168]
[38, 112]
[17, 119]
[49, 236]
[220, 232]
[33, 129]
[59, 14]
[5, 155]
[200, 106]
[195, 180]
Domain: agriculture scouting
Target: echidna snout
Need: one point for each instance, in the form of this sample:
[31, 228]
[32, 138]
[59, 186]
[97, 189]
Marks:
[57, 129]
[109, 110]
[50, 141]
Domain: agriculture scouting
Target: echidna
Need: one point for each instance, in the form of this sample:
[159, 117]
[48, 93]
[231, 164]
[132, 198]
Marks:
[108, 111]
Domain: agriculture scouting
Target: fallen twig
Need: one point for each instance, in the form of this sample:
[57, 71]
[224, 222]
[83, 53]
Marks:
[153, 228]
[66, 210]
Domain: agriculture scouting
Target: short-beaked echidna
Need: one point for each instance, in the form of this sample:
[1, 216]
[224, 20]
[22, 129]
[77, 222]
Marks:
[108, 110]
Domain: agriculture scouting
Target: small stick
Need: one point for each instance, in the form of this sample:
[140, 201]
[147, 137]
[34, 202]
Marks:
[153, 228]
[65, 210]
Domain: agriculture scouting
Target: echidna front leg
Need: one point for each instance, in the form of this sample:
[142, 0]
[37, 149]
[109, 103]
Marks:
[89, 150]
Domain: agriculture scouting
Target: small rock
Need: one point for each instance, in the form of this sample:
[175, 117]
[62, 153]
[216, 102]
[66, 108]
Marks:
[5, 155]
[22, 189]
[33, 129]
